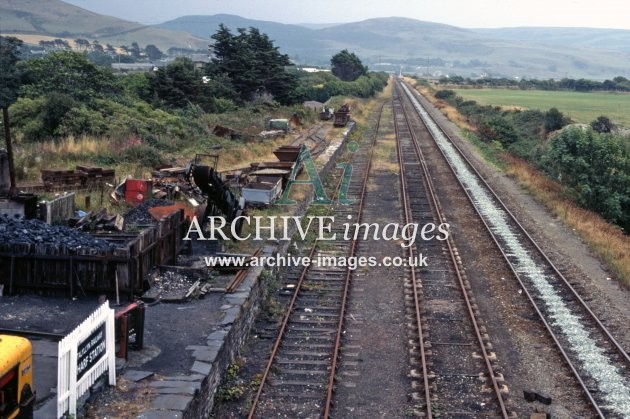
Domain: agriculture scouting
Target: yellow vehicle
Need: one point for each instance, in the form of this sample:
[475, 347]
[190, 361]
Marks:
[16, 378]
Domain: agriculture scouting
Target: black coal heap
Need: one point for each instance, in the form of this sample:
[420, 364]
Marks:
[15, 230]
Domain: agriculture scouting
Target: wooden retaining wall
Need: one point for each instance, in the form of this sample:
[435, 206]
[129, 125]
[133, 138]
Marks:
[59, 209]
[46, 269]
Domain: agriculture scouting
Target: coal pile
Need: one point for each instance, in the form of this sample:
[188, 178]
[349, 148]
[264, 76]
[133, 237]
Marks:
[140, 215]
[35, 232]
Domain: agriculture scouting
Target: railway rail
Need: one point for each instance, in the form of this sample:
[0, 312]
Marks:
[457, 364]
[299, 377]
[598, 362]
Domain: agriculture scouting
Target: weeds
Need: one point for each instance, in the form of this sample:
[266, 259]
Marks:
[233, 386]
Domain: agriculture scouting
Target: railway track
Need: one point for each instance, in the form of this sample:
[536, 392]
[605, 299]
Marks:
[598, 362]
[299, 377]
[457, 374]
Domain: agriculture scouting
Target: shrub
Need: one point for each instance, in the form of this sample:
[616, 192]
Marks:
[144, 155]
[445, 94]
[596, 168]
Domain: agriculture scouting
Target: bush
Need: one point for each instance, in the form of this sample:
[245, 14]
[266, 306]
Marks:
[602, 125]
[596, 168]
[142, 154]
[554, 120]
[83, 121]
[445, 94]
[321, 88]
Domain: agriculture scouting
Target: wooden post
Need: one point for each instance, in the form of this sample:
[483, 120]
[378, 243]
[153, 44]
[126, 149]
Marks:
[7, 138]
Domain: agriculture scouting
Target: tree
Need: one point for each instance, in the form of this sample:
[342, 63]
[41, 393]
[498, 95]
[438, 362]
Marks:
[9, 86]
[82, 44]
[57, 105]
[153, 52]
[135, 50]
[68, 72]
[177, 84]
[602, 125]
[96, 46]
[347, 66]
[180, 84]
[253, 64]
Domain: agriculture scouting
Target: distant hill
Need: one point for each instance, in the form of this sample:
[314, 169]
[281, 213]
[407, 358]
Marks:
[608, 39]
[387, 43]
[382, 44]
[58, 19]
[292, 39]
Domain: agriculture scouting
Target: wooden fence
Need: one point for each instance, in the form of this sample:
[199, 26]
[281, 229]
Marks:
[83, 356]
[59, 209]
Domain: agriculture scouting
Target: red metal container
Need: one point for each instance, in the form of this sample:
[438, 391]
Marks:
[134, 197]
[137, 190]
[138, 185]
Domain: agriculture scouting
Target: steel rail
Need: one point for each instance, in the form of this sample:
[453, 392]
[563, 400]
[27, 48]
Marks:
[293, 301]
[344, 300]
[566, 282]
[521, 282]
[240, 276]
[414, 280]
[449, 243]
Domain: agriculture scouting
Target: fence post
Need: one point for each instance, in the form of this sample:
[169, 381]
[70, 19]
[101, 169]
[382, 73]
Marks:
[72, 406]
[111, 347]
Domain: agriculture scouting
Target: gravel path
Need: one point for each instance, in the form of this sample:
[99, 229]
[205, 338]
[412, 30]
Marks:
[375, 348]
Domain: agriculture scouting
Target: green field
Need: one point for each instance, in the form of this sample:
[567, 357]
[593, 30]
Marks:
[580, 107]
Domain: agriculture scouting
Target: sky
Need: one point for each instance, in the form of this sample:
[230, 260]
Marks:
[462, 13]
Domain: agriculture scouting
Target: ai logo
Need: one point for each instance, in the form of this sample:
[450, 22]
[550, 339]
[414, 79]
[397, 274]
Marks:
[306, 159]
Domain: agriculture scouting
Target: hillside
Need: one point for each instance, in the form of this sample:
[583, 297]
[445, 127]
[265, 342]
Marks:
[608, 39]
[382, 44]
[297, 41]
[58, 19]
[448, 49]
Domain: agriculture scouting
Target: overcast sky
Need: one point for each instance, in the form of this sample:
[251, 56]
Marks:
[463, 13]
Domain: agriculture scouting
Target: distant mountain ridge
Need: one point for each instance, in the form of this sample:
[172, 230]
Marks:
[382, 43]
[442, 49]
[59, 19]
[607, 39]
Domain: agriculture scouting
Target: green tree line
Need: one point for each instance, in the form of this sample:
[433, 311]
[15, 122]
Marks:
[617, 84]
[64, 93]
